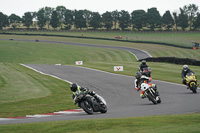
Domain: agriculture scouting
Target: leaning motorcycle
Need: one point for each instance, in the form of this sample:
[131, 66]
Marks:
[150, 93]
[191, 82]
[89, 104]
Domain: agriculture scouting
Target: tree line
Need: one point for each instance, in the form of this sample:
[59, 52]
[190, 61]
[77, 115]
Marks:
[63, 18]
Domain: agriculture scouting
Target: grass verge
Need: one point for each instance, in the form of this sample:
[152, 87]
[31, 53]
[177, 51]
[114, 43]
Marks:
[185, 123]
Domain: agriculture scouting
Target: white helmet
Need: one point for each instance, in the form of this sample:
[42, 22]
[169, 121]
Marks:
[185, 68]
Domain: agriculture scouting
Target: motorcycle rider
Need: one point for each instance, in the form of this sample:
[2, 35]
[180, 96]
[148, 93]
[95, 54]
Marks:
[184, 72]
[75, 87]
[143, 65]
[139, 79]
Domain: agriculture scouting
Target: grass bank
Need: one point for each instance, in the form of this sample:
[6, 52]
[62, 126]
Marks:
[186, 123]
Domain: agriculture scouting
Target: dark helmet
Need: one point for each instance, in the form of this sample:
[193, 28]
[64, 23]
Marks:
[73, 87]
[185, 68]
[143, 62]
[138, 75]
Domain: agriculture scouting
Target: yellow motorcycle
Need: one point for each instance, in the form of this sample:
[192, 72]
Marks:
[191, 82]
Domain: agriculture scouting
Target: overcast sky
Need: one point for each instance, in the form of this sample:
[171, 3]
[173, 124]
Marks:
[19, 7]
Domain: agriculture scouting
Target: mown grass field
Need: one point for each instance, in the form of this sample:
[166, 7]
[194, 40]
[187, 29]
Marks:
[23, 91]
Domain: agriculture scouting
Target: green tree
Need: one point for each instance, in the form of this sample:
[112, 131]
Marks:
[175, 20]
[196, 23]
[95, 20]
[124, 19]
[80, 20]
[41, 18]
[61, 14]
[48, 12]
[54, 22]
[191, 11]
[115, 16]
[3, 20]
[14, 20]
[68, 19]
[34, 15]
[167, 20]
[153, 18]
[107, 20]
[27, 19]
[138, 19]
[87, 15]
[183, 20]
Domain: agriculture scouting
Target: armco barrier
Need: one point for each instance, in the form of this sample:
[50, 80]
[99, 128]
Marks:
[174, 60]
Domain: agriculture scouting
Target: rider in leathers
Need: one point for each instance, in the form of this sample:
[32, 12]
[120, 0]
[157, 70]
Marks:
[143, 65]
[75, 87]
[184, 73]
[139, 79]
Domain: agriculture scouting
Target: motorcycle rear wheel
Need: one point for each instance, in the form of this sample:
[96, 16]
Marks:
[103, 108]
[159, 99]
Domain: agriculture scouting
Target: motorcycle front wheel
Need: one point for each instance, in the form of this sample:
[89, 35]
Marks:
[151, 98]
[193, 87]
[86, 107]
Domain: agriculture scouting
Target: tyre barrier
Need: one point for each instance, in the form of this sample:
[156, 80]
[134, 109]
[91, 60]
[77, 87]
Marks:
[173, 60]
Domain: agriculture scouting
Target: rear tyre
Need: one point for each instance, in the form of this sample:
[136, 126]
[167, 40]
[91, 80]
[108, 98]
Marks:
[158, 99]
[86, 107]
[103, 108]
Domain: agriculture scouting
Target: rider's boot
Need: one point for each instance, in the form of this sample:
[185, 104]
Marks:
[156, 90]
[142, 95]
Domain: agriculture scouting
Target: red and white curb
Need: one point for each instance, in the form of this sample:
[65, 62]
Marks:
[72, 111]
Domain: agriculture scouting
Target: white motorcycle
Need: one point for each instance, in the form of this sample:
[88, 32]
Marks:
[150, 93]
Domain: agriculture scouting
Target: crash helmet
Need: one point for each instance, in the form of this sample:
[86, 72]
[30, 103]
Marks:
[138, 75]
[185, 68]
[73, 87]
[143, 62]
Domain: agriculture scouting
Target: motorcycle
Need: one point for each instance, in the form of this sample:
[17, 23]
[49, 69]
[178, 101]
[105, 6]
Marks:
[150, 93]
[191, 82]
[89, 104]
[146, 71]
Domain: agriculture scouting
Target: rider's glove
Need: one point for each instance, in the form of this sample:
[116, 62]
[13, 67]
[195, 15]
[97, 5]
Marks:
[92, 93]
[150, 79]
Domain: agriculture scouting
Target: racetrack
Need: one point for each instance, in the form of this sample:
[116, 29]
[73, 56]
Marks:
[121, 98]
[118, 91]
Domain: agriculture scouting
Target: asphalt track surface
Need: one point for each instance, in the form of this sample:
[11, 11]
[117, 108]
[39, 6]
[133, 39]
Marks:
[118, 91]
